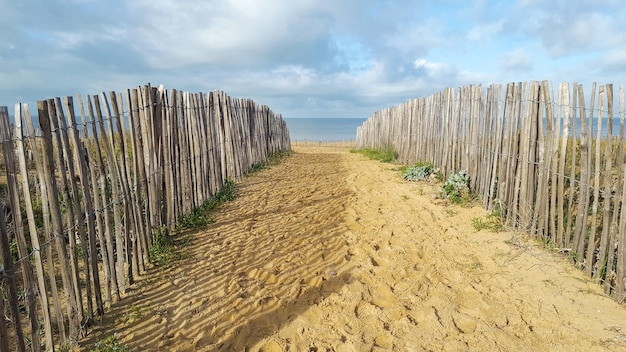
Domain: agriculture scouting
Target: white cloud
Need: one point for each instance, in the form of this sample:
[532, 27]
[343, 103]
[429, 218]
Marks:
[469, 77]
[218, 32]
[612, 62]
[572, 27]
[434, 69]
[518, 59]
[349, 55]
[485, 31]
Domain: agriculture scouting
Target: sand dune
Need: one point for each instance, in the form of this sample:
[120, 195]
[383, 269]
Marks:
[329, 251]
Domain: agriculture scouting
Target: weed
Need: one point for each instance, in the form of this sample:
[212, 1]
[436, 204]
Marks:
[421, 171]
[479, 224]
[493, 222]
[162, 251]
[110, 344]
[13, 250]
[135, 313]
[227, 193]
[385, 154]
[79, 252]
[456, 188]
[199, 217]
[271, 160]
[194, 220]
[64, 348]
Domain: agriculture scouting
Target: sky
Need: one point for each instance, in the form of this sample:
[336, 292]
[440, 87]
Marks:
[305, 58]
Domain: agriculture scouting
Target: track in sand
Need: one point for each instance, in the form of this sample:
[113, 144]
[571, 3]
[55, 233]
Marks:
[329, 251]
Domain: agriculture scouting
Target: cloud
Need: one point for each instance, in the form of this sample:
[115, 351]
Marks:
[433, 69]
[612, 62]
[485, 31]
[232, 33]
[516, 60]
[303, 57]
[570, 27]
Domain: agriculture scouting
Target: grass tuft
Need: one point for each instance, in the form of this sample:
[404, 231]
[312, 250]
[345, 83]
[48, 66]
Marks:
[385, 154]
[163, 251]
[271, 161]
[164, 247]
[493, 222]
[110, 344]
[200, 217]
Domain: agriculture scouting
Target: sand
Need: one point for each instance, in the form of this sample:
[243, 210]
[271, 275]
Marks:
[330, 251]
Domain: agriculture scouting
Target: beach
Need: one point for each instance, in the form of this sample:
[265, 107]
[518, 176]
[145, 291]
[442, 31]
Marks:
[330, 251]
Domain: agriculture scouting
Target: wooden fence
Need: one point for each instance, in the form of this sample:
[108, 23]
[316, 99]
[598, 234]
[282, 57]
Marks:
[555, 167]
[87, 197]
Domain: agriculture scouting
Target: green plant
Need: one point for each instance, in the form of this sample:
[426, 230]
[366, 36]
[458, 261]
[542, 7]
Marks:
[421, 171]
[13, 250]
[162, 251]
[79, 252]
[64, 348]
[199, 217]
[110, 344]
[385, 154]
[196, 219]
[134, 314]
[491, 223]
[227, 193]
[273, 159]
[456, 188]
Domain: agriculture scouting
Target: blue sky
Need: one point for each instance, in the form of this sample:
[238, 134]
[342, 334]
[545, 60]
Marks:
[305, 58]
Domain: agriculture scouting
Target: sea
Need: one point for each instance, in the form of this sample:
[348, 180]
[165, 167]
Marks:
[323, 129]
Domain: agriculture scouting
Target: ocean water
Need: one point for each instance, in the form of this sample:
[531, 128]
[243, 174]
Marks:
[323, 129]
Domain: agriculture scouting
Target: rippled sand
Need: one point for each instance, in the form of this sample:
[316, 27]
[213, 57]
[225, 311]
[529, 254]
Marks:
[329, 251]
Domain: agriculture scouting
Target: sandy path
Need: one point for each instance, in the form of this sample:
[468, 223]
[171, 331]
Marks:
[329, 251]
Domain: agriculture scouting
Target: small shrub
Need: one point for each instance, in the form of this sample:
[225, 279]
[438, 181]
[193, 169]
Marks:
[421, 171]
[456, 188]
